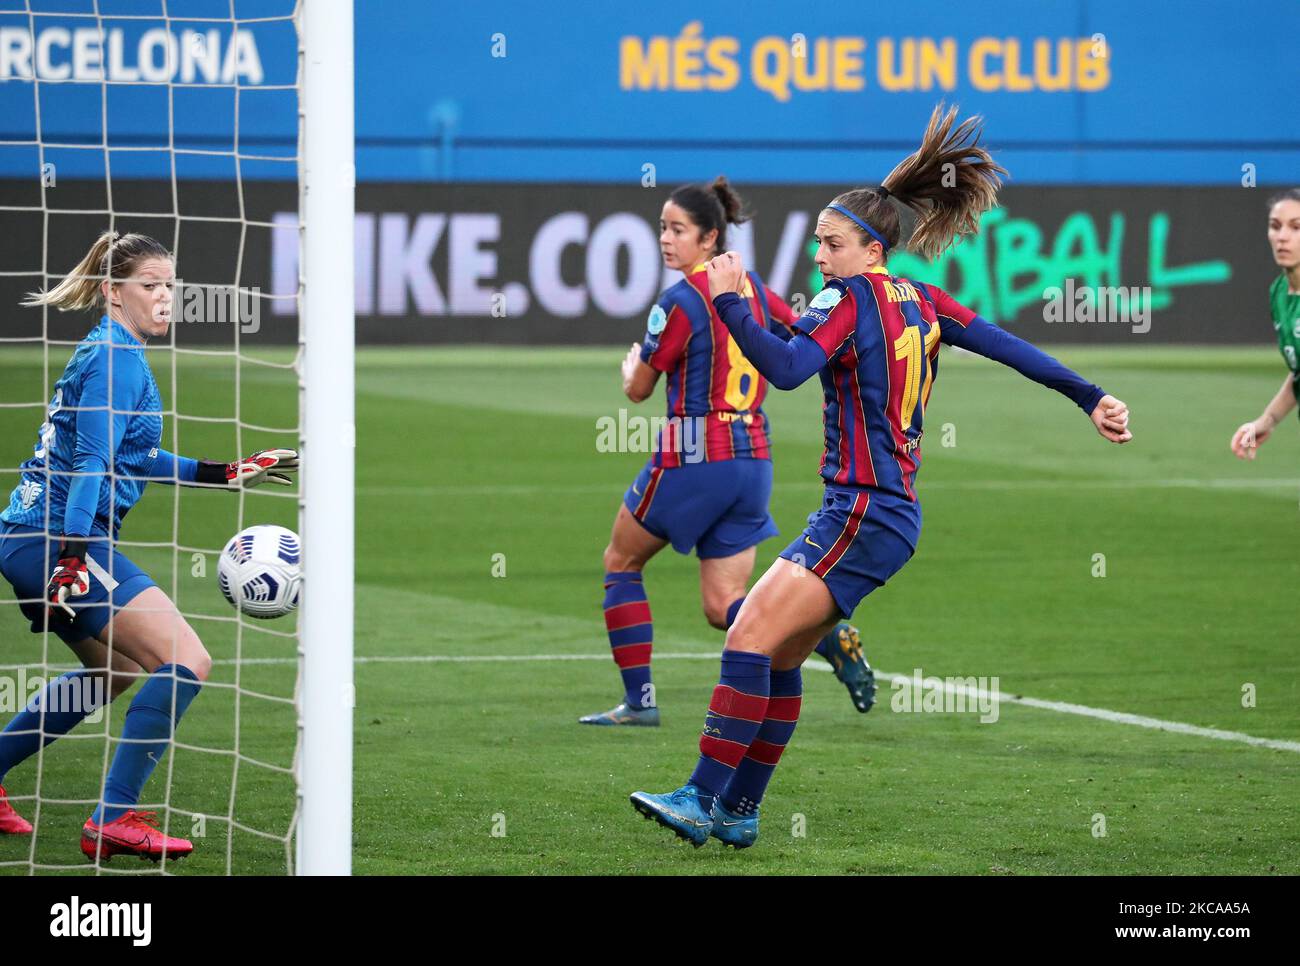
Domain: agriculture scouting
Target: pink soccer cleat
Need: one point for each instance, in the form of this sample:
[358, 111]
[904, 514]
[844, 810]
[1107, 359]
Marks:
[11, 823]
[134, 833]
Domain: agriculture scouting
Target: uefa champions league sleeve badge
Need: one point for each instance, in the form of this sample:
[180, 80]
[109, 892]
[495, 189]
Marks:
[826, 299]
[655, 323]
[819, 309]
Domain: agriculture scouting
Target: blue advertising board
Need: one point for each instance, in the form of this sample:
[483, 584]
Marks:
[1073, 91]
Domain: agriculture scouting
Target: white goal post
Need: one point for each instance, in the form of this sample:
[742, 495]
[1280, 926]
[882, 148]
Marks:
[327, 333]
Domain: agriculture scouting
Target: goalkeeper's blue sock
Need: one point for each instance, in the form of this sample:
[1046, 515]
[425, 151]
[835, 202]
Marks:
[146, 732]
[745, 789]
[736, 711]
[66, 701]
[631, 635]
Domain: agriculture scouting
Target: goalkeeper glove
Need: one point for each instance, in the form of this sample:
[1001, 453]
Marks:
[69, 578]
[265, 466]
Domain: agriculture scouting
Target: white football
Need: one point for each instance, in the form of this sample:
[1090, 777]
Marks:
[260, 571]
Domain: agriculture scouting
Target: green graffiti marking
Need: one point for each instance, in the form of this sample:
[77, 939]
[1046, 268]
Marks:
[1006, 267]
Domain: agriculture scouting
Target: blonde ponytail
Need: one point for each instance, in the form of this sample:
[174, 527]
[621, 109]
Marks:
[113, 257]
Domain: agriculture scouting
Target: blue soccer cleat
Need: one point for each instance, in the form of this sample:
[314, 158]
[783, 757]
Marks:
[679, 811]
[738, 831]
[624, 714]
[843, 649]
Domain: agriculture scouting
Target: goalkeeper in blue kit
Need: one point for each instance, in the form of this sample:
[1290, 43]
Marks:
[96, 451]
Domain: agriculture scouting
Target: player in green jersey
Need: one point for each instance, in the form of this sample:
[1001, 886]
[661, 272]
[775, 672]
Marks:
[1284, 297]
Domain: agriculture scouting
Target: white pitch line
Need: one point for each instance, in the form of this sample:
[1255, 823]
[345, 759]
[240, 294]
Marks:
[1141, 721]
[1104, 714]
[1062, 707]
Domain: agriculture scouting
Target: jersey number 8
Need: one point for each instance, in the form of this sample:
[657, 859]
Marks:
[740, 399]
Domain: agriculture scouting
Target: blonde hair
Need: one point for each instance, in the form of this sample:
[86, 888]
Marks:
[949, 181]
[114, 257]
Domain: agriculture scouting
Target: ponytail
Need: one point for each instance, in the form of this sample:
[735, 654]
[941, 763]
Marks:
[113, 257]
[949, 181]
[733, 206]
[712, 206]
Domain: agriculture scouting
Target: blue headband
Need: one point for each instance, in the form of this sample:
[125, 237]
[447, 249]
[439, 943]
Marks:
[862, 224]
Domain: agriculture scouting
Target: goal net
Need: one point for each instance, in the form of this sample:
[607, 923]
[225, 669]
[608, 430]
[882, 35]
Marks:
[184, 120]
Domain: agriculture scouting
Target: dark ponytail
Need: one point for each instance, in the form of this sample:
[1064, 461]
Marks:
[949, 181]
[712, 206]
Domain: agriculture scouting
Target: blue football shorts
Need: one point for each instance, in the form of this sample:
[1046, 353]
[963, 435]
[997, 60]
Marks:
[718, 509]
[27, 558]
[857, 540]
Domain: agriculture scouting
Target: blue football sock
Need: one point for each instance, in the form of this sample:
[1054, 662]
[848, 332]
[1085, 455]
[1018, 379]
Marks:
[631, 635]
[736, 711]
[749, 781]
[66, 701]
[146, 733]
[824, 645]
[733, 610]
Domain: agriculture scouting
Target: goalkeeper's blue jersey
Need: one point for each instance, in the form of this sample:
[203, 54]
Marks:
[105, 414]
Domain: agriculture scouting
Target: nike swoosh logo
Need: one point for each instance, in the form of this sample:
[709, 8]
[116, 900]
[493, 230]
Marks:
[119, 839]
[726, 824]
[818, 546]
[689, 821]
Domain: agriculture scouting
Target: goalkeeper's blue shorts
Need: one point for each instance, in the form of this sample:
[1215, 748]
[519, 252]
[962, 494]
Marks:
[719, 509]
[27, 558]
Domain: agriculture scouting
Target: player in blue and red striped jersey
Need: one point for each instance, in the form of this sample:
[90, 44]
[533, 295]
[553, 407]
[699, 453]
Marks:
[874, 338]
[707, 485]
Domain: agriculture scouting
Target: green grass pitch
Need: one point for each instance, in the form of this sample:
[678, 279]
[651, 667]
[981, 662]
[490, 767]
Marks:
[480, 765]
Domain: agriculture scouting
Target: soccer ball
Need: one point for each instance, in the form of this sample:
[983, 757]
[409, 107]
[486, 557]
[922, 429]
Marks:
[259, 571]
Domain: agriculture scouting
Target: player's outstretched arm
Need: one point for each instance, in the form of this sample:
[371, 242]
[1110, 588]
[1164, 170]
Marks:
[264, 466]
[980, 336]
[1249, 435]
